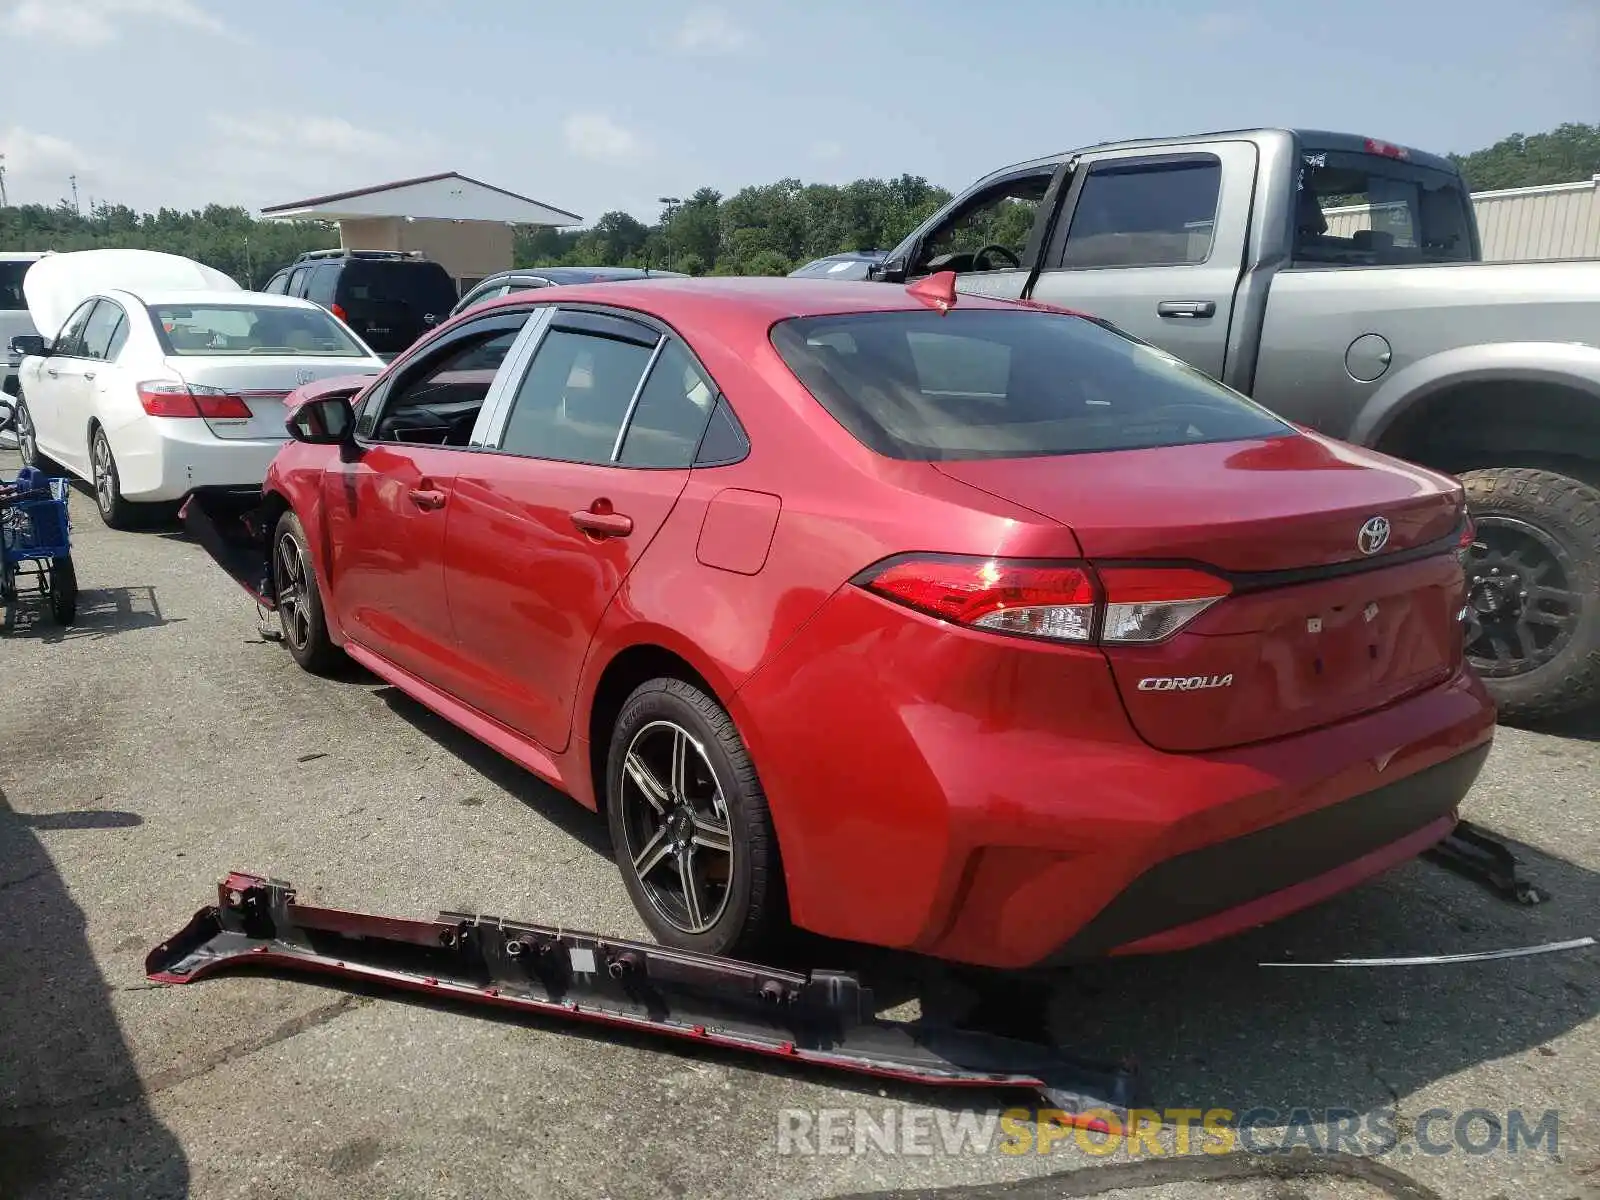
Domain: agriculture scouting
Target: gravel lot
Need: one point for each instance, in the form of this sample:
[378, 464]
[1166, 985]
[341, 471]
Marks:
[161, 742]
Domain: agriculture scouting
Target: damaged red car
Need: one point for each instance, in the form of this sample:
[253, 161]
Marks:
[944, 623]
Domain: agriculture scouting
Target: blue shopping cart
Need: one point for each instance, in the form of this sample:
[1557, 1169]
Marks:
[36, 539]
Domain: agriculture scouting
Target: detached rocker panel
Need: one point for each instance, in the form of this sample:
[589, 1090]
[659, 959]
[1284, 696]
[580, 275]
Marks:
[821, 1018]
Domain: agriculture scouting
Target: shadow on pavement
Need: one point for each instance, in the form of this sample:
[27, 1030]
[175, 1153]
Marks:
[74, 1119]
[1583, 725]
[101, 613]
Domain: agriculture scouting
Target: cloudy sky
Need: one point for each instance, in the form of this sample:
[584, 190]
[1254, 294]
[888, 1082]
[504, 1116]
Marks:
[614, 103]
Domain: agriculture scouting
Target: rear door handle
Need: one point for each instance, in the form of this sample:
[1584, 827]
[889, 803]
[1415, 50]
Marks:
[429, 498]
[52, 372]
[1187, 308]
[603, 524]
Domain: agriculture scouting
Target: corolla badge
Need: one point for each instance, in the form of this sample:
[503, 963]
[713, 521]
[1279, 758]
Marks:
[1374, 535]
[1184, 683]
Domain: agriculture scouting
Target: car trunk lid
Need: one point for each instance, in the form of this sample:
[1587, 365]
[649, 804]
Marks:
[258, 386]
[1326, 615]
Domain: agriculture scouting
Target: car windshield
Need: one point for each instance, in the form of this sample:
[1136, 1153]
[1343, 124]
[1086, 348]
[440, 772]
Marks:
[264, 331]
[11, 297]
[1007, 383]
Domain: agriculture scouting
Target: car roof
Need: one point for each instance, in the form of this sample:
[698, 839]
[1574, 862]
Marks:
[755, 302]
[22, 255]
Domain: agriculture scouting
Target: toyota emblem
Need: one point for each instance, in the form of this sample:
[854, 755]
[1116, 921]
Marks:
[1374, 535]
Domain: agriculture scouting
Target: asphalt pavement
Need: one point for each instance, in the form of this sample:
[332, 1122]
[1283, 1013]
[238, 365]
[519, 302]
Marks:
[161, 741]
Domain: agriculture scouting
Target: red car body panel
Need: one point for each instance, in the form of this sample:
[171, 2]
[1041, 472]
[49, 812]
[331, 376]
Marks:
[934, 787]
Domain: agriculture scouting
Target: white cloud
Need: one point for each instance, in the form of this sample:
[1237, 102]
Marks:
[99, 22]
[826, 151]
[596, 136]
[304, 134]
[710, 31]
[40, 157]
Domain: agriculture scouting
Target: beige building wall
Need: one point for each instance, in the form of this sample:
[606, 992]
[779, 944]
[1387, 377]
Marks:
[468, 250]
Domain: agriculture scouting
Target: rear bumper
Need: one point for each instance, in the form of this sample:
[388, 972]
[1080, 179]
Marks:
[166, 459]
[986, 800]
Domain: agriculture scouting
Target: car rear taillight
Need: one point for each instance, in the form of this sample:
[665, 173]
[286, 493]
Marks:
[1469, 535]
[1056, 601]
[338, 311]
[1150, 604]
[164, 398]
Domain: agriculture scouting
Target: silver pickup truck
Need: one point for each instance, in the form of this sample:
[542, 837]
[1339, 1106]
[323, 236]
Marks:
[1338, 281]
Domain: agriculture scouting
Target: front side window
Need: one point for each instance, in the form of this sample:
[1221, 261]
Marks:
[989, 231]
[1369, 210]
[101, 330]
[70, 340]
[574, 399]
[259, 331]
[1145, 213]
[437, 402]
[277, 284]
[1007, 383]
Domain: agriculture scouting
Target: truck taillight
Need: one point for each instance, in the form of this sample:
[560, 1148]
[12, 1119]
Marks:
[164, 398]
[338, 311]
[1062, 602]
[1386, 149]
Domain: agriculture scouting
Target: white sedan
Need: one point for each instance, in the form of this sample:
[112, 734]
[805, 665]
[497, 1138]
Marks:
[164, 377]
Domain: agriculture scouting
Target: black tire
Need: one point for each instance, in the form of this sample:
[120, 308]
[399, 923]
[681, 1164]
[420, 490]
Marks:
[299, 599]
[63, 591]
[28, 442]
[751, 908]
[114, 510]
[1534, 575]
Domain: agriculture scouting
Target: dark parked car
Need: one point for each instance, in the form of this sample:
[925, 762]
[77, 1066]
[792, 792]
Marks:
[505, 282]
[389, 298]
[852, 264]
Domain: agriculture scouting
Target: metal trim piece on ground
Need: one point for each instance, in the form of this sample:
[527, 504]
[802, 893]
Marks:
[819, 1018]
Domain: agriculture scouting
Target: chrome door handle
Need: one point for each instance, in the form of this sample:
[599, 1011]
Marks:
[1186, 308]
[52, 372]
[88, 374]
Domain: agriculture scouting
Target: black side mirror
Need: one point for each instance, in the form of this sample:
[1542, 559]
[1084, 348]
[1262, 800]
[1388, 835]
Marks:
[25, 344]
[891, 271]
[326, 421]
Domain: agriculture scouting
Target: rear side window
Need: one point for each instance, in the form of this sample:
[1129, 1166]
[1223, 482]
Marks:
[1001, 383]
[320, 287]
[424, 287]
[672, 412]
[574, 398]
[1369, 210]
[1145, 213]
[11, 297]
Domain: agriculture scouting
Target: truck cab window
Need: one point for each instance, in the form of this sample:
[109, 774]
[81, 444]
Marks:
[996, 220]
[1145, 213]
[1368, 210]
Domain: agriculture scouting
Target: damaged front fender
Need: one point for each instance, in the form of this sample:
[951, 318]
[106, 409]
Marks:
[821, 1018]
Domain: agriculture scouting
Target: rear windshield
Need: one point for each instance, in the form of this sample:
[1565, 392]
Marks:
[1006, 383]
[246, 329]
[1368, 210]
[424, 286]
[11, 298]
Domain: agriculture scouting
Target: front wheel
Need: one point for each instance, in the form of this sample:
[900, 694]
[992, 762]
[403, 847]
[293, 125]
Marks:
[28, 441]
[299, 600]
[689, 823]
[1533, 577]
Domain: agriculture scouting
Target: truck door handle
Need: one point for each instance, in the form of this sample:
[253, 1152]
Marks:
[1187, 308]
[425, 497]
[602, 523]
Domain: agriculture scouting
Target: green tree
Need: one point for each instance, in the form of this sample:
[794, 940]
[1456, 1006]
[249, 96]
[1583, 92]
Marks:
[1566, 154]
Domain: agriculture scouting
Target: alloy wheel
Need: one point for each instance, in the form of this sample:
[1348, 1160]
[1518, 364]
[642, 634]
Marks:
[289, 584]
[679, 839]
[1523, 607]
[27, 440]
[105, 478]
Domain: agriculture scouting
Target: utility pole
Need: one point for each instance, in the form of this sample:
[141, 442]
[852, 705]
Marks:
[671, 203]
[73, 180]
[4, 203]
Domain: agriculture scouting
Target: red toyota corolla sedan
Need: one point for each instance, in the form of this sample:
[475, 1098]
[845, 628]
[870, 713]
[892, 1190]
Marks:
[951, 624]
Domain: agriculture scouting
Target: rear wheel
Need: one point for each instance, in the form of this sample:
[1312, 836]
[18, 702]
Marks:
[299, 600]
[1533, 576]
[689, 823]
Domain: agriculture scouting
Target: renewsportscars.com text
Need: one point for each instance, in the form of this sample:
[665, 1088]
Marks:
[1166, 1132]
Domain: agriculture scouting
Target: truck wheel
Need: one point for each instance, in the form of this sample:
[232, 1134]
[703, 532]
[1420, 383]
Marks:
[1533, 578]
[689, 823]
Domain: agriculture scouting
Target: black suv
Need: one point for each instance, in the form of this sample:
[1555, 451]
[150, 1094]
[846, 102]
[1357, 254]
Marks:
[502, 282]
[389, 298]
